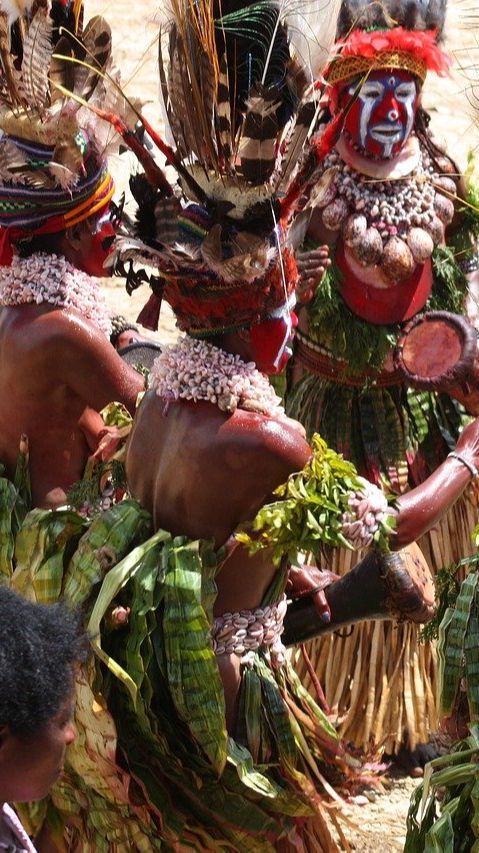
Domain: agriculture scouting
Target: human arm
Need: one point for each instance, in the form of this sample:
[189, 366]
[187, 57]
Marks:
[422, 507]
[80, 357]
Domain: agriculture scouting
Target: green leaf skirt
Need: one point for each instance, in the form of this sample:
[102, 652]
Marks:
[153, 767]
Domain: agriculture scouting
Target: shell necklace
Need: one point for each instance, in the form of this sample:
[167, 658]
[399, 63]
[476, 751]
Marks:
[196, 370]
[51, 278]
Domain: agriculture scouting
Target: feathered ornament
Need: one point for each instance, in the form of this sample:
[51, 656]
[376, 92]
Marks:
[237, 84]
[44, 54]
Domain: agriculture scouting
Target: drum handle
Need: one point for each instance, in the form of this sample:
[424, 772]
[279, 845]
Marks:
[377, 588]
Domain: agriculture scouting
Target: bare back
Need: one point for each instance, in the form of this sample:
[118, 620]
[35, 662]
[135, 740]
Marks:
[202, 472]
[56, 372]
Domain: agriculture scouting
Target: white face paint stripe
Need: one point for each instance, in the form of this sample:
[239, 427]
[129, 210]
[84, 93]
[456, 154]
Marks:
[368, 105]
[408, 100]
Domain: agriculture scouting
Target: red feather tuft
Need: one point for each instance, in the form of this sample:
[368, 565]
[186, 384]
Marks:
[421, 43]
[149, 315]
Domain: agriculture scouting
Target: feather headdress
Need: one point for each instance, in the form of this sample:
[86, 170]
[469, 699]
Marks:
[376, 34]
[237, 80]
[52, 150]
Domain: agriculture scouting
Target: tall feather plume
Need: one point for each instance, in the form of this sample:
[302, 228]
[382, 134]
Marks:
[11, 92]
[237, 89]
[192, 77]
[185, 126]
[312, 29]
[257, 148]
[96, 52]
[37, 51]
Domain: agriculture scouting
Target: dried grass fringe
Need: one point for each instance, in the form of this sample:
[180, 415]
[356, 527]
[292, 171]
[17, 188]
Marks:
[380, 680]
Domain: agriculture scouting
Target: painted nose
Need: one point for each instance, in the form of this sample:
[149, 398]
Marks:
[393, 115]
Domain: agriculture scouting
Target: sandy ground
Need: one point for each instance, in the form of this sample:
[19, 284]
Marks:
[380, 819]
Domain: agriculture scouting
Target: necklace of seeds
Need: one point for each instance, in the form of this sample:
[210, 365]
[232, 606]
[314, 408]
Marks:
[395, 224]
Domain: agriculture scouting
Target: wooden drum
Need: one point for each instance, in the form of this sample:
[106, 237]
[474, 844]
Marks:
[435, 349]
[438, 351]
[396, 586]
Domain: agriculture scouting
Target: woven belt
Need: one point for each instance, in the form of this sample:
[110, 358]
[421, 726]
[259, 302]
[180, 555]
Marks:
[322, 363]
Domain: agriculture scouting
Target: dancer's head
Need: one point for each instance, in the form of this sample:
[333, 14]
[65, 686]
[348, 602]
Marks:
[383, 53]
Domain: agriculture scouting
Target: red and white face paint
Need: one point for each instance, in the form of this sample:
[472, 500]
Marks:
[96, 244]
[381, 118]
[272, 339]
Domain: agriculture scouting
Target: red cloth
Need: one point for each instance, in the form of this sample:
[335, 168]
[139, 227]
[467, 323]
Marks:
[385, 305]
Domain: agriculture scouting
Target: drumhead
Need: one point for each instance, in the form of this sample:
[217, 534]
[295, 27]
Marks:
[436, 347]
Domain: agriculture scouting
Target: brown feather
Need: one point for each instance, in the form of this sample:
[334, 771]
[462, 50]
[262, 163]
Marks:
[181, 103]
[223, 112]
[305, 121]
[62, 72]
[257, 147]
[37, 51]
[11, 89]
[66, 162]
[97, 42]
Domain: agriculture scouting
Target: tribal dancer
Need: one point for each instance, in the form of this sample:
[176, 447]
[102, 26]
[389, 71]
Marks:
[194, 732]
[389, 197]
[58, 369]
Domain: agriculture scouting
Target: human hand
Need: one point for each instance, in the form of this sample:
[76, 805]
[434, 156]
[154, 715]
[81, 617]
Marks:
[311, 581]
[311, 267]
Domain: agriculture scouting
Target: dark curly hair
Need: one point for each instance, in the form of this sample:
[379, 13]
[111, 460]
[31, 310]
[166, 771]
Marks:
[39, 647]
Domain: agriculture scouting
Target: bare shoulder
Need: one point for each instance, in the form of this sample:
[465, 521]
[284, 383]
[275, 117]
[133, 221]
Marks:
[272, 440]
[35, 325]
[239, 438]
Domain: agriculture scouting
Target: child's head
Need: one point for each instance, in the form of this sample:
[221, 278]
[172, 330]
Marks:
[39, 648]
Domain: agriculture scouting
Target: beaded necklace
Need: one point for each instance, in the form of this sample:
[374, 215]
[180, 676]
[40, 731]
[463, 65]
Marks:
[405, 216]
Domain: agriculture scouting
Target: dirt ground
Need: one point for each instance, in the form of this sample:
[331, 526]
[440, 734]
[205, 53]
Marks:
[380, 819]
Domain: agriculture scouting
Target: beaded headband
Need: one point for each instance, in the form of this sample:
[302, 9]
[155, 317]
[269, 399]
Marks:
[356, 66]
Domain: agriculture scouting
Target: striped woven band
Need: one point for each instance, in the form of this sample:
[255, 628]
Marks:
[31, 205]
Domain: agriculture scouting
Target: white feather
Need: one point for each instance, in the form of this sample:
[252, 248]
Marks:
[311, 30]
[15, 9]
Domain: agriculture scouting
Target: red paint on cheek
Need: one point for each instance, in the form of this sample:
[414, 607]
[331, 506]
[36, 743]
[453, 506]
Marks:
[386, 110]
[269, 341]
[99, 249]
